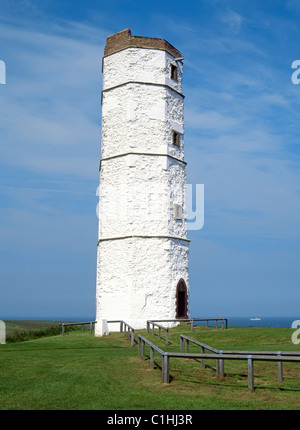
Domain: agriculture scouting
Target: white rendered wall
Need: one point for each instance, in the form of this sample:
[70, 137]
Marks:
[138, 117]
[142, 249]
[140, 278]
[140, 64]
[137, 196]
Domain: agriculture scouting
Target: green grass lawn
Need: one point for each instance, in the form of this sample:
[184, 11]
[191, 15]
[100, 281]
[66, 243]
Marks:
[78, 371]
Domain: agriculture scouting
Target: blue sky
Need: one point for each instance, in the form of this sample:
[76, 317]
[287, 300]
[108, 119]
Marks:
[241, 142]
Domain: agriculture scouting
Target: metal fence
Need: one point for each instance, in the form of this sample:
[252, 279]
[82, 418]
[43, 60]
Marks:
[91, 324]
[192, 321]
[219, 356]
[160, 328]
[185, 340]
[124, 328]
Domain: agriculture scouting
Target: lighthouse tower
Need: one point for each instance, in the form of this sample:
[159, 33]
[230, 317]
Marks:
[142, 258]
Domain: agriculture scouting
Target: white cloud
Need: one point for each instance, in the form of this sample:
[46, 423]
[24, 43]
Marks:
[233, 19]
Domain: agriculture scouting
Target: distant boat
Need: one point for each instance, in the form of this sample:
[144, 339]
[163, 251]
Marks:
[255, 319]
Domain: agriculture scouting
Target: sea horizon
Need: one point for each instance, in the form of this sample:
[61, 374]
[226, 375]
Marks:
[233, 321]
[260, 321]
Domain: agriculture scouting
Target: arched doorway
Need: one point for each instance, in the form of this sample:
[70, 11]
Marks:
[181, 300]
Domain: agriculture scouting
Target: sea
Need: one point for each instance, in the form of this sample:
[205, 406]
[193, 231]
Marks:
[243, 321]
[258, 321]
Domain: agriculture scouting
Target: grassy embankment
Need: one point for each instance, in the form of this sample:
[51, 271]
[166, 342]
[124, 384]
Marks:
[23, 330]
[79, 371]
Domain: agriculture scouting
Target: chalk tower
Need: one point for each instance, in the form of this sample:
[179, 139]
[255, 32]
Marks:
[142, 257]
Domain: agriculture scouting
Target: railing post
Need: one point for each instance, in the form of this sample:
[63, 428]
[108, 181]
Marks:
[216, 323]
[82, 328]
[192, 325]
[165, 369]
[222, 324]
[143, 350]
[139, 346]
[121, 326]
[206, 323]
[202, 359]
[151, 357]
[250, 374]
[167, 336]
[63, 329]
[91, 327]
[280, 369]
[181, 344]
[132, 337]
[153, 333]
[159, 331]
[221, 366]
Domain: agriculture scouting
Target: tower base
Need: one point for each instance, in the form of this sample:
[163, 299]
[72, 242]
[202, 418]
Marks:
[101, 328]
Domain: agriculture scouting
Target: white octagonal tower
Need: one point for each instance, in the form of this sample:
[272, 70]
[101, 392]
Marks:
[142, 259]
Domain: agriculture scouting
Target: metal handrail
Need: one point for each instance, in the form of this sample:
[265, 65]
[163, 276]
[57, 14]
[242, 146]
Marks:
[282, 356]
[192, 320]
[165, 360]
[123, 327]
[242, 352]
[220, 362]
[203, 345]
[151, 344]
[160, 327]
[63, 325]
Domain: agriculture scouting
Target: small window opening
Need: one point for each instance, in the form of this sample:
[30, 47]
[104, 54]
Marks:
[177, 211]
[174, 72]
[175, 138]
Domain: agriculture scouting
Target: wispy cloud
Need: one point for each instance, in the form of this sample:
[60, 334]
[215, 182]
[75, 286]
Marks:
[233, 19]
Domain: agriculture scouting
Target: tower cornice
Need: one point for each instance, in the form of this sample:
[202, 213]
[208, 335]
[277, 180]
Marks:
[124, 39]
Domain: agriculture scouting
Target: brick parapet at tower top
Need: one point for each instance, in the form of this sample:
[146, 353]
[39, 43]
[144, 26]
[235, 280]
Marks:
[119, 41]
